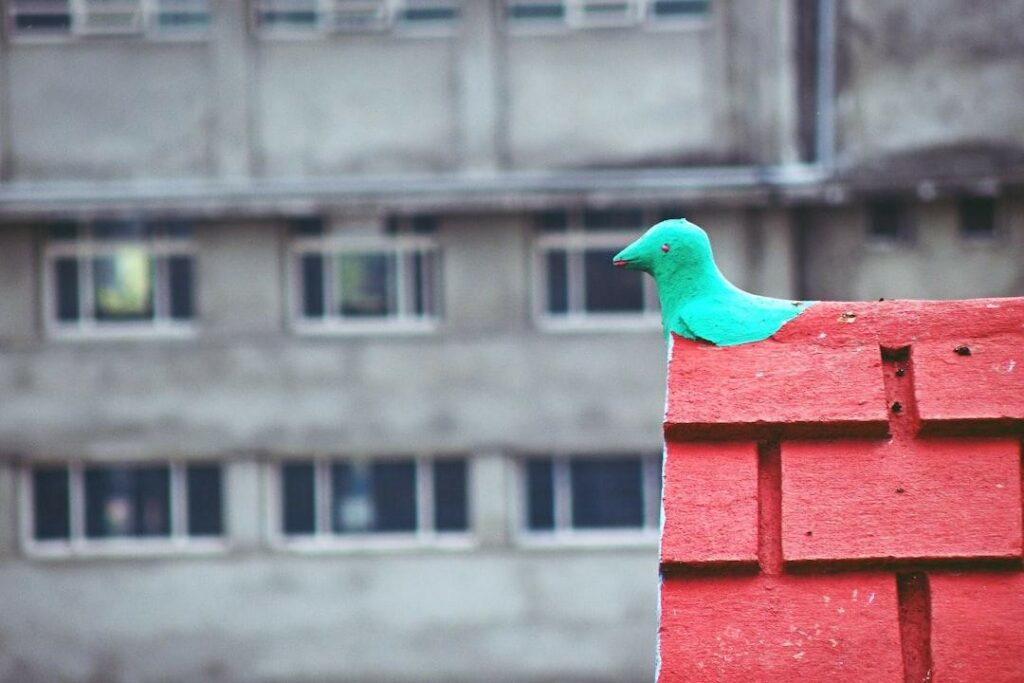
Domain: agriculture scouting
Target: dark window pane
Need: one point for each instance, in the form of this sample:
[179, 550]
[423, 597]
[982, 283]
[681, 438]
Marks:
[179, 270]
[610, 289]
[607, 493]
[66, 271]
[50, 506]
[618, 219]
[424, 225]
[423, 270]
[889, 220]
[540, 494]
[679, 8]
[558, 282]
[308, 227]
[63, 230]
[365, 284]
[177, 21]
[547, 10]
[977, 216]
[450, 504]
[281, 17]
[372, 497]
[394, 494]
[123, 285]
[312, 266]
[127, 501]
[429, 14]
[205, 507]
[41, 16]
[297, 498]
[552, 221]
[177, 229]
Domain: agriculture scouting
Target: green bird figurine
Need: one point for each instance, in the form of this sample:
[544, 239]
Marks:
[697, 302]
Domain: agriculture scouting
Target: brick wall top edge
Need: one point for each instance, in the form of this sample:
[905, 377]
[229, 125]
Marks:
[822, 373]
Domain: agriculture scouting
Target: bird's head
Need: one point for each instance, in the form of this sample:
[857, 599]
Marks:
[669, 247]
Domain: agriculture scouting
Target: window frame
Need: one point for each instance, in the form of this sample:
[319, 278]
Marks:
[573, 17]
[78, 544]
[563, 532]
[332, 244]
[85, 247]
[324, 539]
[147, 28]
[576, 240]
[391, 22]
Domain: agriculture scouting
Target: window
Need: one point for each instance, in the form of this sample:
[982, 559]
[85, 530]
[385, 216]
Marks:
[41, 18]
[977, 217]
[311, 17]
[577, 282]
[581, 493]
[889, 221]
[84, 507]
[599, 13]
[404, 498]
[118, 275]
[357, 276]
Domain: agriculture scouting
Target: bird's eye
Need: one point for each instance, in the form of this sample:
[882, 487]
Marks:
[665, 248]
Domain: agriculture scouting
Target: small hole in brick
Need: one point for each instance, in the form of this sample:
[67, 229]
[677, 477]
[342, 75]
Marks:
[900, 372]
[809, 533]
[963, 350]
[848, 317]
[900, 490]
[897, 406]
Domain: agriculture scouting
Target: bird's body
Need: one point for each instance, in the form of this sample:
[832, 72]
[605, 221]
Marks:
[697, 301]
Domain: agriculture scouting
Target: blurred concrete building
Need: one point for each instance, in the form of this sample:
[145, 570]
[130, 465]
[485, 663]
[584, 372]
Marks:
[312, 363]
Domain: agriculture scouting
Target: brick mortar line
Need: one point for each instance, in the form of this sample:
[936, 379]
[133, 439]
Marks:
[915, 621]
[769, 507]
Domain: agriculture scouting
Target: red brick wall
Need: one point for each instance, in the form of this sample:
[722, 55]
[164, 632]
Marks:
[843, 501]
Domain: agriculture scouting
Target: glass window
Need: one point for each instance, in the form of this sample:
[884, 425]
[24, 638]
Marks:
[353, 276]
[577, 278]
[284, 17]
[540, 494]
[597, 13]
[889, 221]
[977, 217]
[205, 496]
[127, 501]
[108, 17]
[592, 493]
[50, 503]
[299, 506]
[375, 497]
[113, 275]
[84, 507]
[606, 493]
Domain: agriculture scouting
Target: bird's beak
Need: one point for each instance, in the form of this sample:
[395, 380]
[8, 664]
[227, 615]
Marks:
[625, 259]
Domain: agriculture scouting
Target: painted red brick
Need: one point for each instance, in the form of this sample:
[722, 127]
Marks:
[978, 627]
[710, 495]
[915, 499]
[780, 628]
[981, 387]
[900, 322]
[765, 388]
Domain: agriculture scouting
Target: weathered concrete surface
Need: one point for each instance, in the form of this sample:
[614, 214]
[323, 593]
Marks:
[913, 79]
[463, 616]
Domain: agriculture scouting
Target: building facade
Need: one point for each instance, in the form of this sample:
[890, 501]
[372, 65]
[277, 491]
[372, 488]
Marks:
[312, 362]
